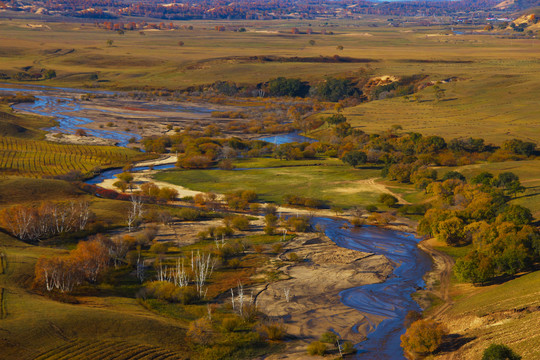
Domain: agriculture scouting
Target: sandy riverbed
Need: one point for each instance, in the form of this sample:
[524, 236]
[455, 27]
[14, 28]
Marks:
[314, 306]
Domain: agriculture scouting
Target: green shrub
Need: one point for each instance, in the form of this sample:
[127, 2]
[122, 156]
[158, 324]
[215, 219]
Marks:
[167, 291]
[299, 224]
[159, 248]
[269, 230]
[348, 348]
[316, 348]
[223, 231]
[277, 248]
[201, 332]
[240, 223]
[187, 214]
[231, 323]
[371, 208]
[500, 352]
[249, 195]
[294, 257]
[329, 337]
[234, 263]
[388, 200]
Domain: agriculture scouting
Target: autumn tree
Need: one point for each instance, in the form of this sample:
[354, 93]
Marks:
[49, 219]
[150, 189]
[423, 337]
[92, 257]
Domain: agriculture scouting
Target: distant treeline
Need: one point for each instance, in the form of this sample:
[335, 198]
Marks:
[255, 9]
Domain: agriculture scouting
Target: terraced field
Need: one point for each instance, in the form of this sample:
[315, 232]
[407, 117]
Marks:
[107, 350]
[37, 158]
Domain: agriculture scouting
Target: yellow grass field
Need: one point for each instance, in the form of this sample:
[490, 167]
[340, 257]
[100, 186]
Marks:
[494, 94]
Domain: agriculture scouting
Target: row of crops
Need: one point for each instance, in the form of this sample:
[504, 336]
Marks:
[107, 350]
[37, 158]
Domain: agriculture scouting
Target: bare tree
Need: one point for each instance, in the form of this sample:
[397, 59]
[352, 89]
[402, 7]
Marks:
[287, 293]
[202, 267]
[242, 305]
[140, 269]
[135, 211]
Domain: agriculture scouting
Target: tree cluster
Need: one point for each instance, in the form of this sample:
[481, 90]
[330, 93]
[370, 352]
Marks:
[85, 263]
[479, 213]
[33, 223]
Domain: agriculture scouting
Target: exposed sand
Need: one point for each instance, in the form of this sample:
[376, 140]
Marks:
[314, 306]
[80, 140]
[370, 185]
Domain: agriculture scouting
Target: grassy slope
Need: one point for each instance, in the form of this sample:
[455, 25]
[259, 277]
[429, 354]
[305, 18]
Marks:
[484, 104]
[338, 184]
[35, 324]
[22, 126]
[505, 314]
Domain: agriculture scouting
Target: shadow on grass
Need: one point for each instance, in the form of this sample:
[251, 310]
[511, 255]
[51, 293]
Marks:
[454, 342]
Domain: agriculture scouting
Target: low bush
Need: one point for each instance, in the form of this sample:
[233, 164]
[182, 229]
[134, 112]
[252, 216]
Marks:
[231, 323]
[167, 291]
[272, 331]
[329, 337]
[500, 352]
[316, 348]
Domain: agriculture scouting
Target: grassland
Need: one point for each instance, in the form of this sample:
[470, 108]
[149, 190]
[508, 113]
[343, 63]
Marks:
[494, 95]
[331, 181]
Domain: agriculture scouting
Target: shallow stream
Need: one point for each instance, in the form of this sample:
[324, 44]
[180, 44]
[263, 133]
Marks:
[391, 298]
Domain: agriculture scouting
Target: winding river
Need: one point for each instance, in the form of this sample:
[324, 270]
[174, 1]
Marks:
[391, 299]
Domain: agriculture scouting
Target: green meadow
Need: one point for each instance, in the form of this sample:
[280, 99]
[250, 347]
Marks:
[335, 183]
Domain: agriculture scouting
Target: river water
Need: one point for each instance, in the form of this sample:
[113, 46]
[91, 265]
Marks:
[67, 109]
[286, 138]
[392, 298]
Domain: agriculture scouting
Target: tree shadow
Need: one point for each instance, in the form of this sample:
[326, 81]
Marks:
[454, 342]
